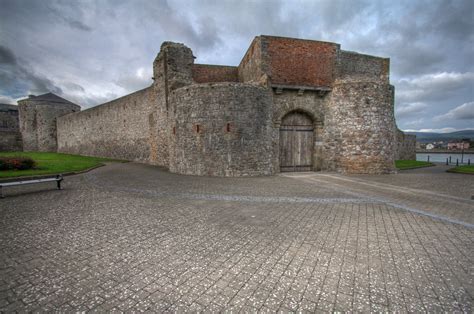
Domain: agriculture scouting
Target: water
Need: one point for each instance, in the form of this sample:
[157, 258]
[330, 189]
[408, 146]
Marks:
[437, 157]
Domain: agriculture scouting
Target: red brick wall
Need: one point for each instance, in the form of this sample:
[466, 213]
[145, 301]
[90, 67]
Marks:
[300, 62]
[205, 73]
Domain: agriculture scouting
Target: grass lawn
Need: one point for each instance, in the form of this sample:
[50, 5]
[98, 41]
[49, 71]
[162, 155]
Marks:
[411, 164]
[51, 163]
[463, 169]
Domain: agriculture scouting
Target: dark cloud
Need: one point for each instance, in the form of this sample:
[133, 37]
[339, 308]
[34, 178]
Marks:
[6, 56]
[68, 15]
[14, 77]
[93, 51]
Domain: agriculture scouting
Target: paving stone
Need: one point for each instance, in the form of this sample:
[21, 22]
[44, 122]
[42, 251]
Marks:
[130, 237]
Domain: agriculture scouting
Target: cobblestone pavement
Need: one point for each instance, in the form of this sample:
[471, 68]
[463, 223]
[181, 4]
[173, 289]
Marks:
[134, 237]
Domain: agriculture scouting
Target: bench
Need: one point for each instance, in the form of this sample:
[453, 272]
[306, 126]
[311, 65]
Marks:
[56, 179]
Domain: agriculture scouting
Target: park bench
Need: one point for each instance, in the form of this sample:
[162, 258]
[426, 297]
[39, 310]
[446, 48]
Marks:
[56, 179]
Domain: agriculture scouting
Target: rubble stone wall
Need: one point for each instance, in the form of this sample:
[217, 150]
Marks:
[222, 129]
[353, 66]
[252, 67]
[118, 129]
[38, 123]
[406, 146]
[10, 136]
[360, 128]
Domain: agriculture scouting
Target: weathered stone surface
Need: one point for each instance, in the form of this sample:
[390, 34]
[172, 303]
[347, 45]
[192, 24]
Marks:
[360, 128]
[253, 66]
[38, 116]
[311, 103]
[222, 129]
[119, 129]
[10, 136]
[406, 146]
[360, 67]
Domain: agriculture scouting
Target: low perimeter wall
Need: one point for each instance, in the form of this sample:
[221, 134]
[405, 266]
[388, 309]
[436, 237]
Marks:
[117, 129]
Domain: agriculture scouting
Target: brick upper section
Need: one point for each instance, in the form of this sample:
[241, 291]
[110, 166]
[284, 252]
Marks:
[206, 73]
[296, 62]
[300, 62]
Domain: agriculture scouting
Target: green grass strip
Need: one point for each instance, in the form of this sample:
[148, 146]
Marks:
[52, 163]
[463, 169]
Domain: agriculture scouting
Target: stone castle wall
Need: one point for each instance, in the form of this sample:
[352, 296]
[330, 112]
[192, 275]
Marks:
[172, 69]
[10, 136]
[353, 66]
[38, 123]
[208, 73]
[119, 129]
[253, 67]
[222, 130]
[406, 146]
[224, 121]
[360, 128]
[309, 102]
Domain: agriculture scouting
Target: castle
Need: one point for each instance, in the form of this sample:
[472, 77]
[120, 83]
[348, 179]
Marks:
[290, 105]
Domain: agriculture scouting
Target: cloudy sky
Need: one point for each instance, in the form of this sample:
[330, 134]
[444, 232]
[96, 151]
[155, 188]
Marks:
[94, 51]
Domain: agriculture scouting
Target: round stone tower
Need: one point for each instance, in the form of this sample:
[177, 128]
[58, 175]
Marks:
[222, 129]
[37, 115]
[360, 133]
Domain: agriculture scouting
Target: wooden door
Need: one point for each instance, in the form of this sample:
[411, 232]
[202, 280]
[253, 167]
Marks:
[296, 142]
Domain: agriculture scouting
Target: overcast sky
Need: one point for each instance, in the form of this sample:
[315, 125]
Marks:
[94, 51]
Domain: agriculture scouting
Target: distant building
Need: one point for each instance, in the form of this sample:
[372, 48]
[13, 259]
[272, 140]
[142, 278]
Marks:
[464, 144]
[430, 146]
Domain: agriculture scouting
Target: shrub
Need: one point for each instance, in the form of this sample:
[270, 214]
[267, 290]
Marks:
[18, 163]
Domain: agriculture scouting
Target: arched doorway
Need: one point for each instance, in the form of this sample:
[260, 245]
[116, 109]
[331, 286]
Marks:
[296, 142]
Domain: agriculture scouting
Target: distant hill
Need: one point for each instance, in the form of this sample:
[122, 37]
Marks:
[426, 137]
